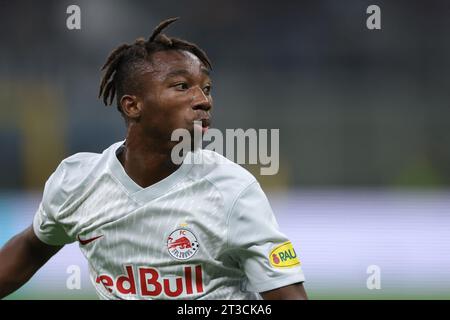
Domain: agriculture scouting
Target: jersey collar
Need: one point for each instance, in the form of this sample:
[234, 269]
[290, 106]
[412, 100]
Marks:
[143, 195]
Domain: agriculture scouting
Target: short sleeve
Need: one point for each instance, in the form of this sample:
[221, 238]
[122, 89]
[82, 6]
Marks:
[45, 222]
[265, 254]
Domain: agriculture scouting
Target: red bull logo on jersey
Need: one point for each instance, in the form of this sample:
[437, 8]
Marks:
[149, 283]
[284, 256]
[182, 244]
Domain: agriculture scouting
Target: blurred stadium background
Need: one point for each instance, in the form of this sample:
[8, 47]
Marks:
[364, 123]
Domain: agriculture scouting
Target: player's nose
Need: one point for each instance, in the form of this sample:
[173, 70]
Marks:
[200, 100]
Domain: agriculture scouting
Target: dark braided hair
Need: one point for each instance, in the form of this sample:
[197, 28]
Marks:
[126, 61]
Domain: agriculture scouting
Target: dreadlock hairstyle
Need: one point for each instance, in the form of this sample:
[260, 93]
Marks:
[128, 59]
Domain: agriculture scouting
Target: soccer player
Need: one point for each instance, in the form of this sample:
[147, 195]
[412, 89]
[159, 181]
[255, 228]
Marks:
[149, 228]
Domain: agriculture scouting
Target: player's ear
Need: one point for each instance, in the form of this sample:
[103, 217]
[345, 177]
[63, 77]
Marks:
[131, 106]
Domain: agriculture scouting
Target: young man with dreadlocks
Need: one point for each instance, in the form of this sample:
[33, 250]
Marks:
[151, 229]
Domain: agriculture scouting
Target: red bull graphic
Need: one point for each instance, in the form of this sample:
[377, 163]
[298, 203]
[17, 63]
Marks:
[182, 244]
[149, 283]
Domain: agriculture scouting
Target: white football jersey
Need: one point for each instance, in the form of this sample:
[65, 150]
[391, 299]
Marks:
[207, 231]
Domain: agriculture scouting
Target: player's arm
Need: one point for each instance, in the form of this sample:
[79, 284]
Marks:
[292, 292]
[20, 258]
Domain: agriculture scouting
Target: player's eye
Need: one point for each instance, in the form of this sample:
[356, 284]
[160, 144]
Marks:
[181, 86]
[207, 89]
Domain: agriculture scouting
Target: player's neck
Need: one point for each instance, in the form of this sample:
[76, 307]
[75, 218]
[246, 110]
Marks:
[146, 160]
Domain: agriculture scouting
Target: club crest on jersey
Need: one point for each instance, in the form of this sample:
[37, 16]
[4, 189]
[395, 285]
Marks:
[284, 256]
[182, 244]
